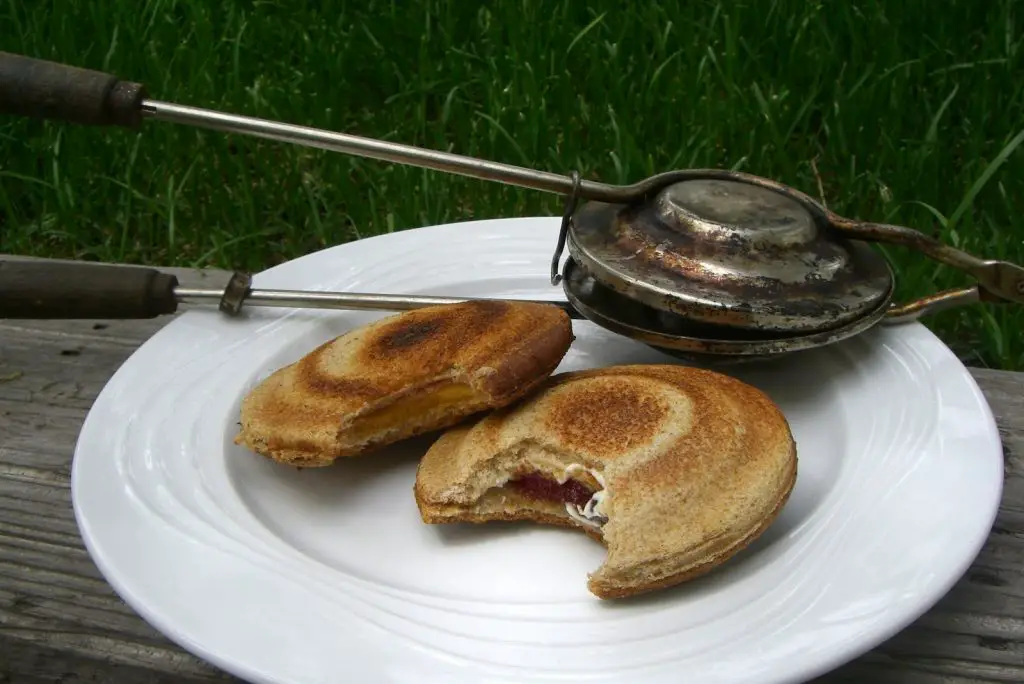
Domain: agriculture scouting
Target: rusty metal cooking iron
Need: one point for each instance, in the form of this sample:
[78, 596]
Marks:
[701, 262]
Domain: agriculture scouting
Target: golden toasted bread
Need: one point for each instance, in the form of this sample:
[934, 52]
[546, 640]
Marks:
[401, 376]
[673, 469]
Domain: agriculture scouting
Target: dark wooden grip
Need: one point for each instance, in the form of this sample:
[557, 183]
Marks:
[47, 90]
[50, 290]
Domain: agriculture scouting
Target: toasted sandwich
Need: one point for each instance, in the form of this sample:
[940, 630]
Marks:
[400, 376]
[674, 469]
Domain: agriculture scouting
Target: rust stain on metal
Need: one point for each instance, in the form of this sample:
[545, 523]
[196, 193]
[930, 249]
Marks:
[731, 254]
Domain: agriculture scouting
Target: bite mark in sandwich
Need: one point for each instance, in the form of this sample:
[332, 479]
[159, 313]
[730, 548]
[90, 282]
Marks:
[400, 376]
[673, 469]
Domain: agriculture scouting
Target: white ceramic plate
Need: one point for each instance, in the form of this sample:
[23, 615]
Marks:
[278, 575]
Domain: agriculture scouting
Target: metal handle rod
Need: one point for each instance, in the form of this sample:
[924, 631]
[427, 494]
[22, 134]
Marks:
[338, 300]
[374, 149]
[417, 156]
[426, 158]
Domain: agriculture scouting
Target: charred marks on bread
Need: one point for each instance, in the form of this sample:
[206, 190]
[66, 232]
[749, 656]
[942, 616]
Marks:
[608, 417]
[409, 334]
[435, 330]
[417, 345]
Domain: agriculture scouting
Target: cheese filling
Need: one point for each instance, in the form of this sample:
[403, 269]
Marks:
[409, 408]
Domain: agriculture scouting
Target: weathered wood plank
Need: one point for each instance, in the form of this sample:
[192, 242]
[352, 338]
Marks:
[60, 621]
[26, 662]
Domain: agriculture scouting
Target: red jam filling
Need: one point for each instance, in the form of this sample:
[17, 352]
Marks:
[536, 486]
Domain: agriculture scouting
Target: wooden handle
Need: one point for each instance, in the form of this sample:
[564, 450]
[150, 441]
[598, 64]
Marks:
[52, 290]
[47, 90]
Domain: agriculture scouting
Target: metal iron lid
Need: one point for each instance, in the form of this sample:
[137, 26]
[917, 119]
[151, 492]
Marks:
[731, 253]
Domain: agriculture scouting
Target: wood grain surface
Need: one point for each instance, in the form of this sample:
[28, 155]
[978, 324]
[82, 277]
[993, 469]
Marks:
[61, 622]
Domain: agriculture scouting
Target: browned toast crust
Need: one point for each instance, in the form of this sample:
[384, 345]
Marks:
[611, 591]
[496, 351]
[697, 465]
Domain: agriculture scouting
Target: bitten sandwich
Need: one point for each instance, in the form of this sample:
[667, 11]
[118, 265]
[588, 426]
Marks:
[403, 375]
[673, 469]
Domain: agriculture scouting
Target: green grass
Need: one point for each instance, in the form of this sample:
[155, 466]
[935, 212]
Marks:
[908, 110]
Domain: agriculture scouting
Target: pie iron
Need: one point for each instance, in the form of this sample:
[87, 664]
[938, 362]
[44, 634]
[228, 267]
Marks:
[700, 263]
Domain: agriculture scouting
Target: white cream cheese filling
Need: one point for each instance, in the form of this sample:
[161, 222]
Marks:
[591, 513]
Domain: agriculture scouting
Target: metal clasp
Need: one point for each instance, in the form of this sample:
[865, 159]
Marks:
[235, 293]
[570, 208]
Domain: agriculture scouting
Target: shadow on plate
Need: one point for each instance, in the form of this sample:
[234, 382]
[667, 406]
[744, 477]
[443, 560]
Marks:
[802, 379]
[465, 534]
